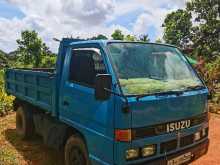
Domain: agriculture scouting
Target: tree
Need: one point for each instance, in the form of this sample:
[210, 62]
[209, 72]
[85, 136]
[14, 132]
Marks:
[158, 40]
[177, 26]
[3, 59]
[31, 48]
[205, 35]
[99, 37]
[117, 35]
[144, 38]
[46, 51]
[130, 38]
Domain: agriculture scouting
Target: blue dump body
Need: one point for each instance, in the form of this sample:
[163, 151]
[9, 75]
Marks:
[165, 124]
[36, 87]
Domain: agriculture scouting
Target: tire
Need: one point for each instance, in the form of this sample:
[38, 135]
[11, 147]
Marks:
[24, 122]
[75, 152]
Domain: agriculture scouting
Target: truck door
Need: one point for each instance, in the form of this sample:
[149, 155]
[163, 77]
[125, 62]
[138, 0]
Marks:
[78, 106]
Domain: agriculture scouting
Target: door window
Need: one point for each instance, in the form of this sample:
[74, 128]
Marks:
[85, 64]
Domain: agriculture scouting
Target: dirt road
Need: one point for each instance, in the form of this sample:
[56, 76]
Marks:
[14, 151]
[213, 155]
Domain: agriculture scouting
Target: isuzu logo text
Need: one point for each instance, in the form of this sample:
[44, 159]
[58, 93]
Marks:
[175, 126]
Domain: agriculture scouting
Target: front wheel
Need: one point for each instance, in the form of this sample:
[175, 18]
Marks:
[75, 151]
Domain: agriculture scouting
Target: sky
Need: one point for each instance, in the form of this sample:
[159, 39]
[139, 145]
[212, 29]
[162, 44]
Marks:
[83, 18]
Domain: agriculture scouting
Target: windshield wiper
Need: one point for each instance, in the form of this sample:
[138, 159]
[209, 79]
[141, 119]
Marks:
[173, 92]
[196, 87]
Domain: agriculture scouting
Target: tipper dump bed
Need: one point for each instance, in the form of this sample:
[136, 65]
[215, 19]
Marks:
[36, 86]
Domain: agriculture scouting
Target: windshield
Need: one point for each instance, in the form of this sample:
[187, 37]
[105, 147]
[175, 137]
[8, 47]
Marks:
[151, 68]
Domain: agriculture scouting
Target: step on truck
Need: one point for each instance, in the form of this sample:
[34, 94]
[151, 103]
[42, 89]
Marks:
[114, 102]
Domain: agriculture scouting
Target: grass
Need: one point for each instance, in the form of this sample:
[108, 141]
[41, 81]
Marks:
[15, 151]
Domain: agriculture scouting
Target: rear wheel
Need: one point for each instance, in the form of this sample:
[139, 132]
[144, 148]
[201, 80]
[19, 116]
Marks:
[24, 122]
[75, 151]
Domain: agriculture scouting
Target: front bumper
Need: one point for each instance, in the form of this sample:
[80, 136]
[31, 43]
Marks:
[197, 151]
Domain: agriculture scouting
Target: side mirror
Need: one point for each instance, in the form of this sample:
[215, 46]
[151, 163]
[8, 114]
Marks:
[103, 82]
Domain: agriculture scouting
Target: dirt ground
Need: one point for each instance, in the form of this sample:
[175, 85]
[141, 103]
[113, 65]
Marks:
[213, 155]
[14, 151]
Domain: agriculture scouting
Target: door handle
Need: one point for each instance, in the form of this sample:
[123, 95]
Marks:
[65, 103]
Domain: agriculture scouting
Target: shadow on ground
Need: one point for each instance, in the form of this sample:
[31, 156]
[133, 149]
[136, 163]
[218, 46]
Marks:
[33, 151]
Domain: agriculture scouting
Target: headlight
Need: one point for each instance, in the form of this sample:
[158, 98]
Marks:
[197, 136]
[132, 154]
[148, 150]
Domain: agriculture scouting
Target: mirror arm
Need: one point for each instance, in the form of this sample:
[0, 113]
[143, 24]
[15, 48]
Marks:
[126, 107]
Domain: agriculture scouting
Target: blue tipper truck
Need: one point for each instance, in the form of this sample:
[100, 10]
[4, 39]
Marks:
[114, 102]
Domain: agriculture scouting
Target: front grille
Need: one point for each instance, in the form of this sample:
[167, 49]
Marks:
[189, 139]
[160, 129]
[183, 141]
[186, 140]
[168, 146]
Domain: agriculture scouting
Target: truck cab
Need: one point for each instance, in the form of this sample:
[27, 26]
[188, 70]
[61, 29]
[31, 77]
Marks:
[129, 102]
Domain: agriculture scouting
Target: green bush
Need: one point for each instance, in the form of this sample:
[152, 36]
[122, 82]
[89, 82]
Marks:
[48, 61]
[212, 68]
[211, 74]
[6, 102]
[213, 78]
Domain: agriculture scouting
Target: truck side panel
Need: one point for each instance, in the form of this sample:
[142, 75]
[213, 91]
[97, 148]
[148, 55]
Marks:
[35, 87]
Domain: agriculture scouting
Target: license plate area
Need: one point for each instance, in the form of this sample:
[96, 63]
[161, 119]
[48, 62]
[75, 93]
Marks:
[180, 159]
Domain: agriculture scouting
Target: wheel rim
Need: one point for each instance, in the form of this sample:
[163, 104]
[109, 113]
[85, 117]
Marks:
[76, 156]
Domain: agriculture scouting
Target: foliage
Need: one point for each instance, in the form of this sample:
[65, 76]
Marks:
[130, 38]
[213, 70]
[117, 35]
[158, 40]
[3, 60]
[205, 35]
[144, 38]
[31, 48]
[210, 71]
[177, 27]
[48, 61]
[5, 101]
[99, 37]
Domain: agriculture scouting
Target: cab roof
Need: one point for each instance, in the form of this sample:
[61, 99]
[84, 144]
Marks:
[105, 42]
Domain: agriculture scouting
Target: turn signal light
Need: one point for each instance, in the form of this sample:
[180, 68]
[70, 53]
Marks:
[123, 135]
